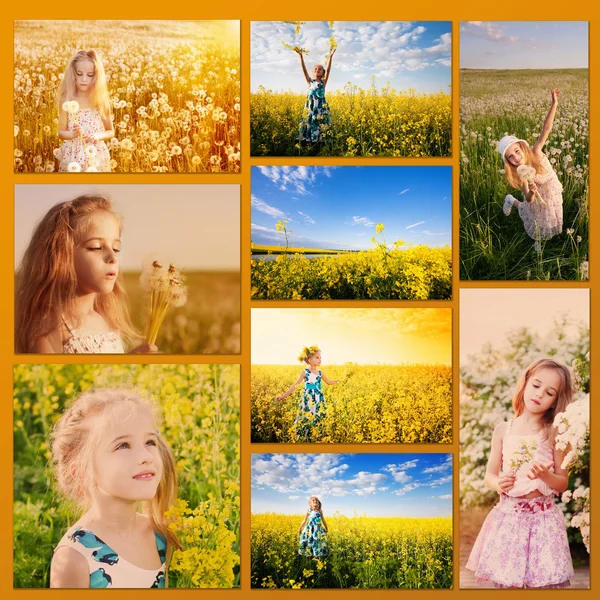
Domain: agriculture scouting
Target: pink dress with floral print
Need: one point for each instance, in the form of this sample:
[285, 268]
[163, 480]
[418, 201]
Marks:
[108, 342]
[523, 541]
[85, 154]
[539, 219]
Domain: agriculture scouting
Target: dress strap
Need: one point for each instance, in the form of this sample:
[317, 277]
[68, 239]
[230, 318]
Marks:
[69, 328]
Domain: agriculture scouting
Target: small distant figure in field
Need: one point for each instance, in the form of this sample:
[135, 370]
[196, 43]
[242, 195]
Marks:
[313, 531]
[316, 119]
[528, 169]
[84, 115]
[312, 407]
[523, 541]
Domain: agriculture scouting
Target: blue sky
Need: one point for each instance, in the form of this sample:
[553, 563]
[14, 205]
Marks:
[380, 485]
[339, 207]
[523, 44]
[408, 54]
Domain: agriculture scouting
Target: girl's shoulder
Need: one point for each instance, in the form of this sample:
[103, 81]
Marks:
[502, 427]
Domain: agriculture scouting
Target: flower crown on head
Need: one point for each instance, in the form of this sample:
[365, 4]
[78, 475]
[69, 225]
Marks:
[307, 352]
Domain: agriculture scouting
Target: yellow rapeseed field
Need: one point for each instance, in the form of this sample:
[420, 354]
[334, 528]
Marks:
[174, 88]
[364, 552]
[373, 404]
[365, 122]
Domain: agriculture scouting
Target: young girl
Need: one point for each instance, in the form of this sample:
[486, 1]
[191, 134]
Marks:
[523, 541]
[69, 298]
[110, 457]
[312, 406]
[316, 120]
[84, 115]
[542, 209]
[313, 531]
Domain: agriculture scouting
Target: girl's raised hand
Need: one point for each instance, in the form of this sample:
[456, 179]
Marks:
[333, 50]
[145, 349]
[506, 481]
[555, 95]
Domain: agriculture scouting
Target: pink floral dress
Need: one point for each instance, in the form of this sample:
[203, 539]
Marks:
[541, 220]
[92, 343]
[84, 154]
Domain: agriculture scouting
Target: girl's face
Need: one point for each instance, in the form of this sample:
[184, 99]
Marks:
[127, 462]
[314, 503]
[85, 76]
[97, 255]
[315, 359]
[541, 390]
[318, 72]
[514, 154]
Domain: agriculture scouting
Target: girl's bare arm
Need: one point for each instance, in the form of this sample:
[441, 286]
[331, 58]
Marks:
[292, 387]
[329, 381]
[306, 75]
[547, 127]
[303, 522]
[63, 127]
[324, 522]
[493, 480]
[326, 78]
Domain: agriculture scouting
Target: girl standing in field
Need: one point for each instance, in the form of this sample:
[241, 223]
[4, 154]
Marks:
[316, 119]
[312, 406]
[313, 531]
[84, 115]
[523, 541]
[69, 297]
[528, 169]
[110, 457]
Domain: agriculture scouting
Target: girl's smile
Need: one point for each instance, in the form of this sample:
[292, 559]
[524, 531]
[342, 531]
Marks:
[514, 155]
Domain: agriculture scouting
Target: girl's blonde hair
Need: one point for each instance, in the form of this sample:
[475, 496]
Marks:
[530, 159]
[564, 394]
[76, 436]
[307, 352]
[99, 96]
[318, 502]
[46, 282]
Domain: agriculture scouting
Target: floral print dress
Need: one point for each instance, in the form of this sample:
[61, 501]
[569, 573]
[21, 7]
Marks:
[316, 119]
[312, 405]
[313, 537]
[544, 220]
[86, 155]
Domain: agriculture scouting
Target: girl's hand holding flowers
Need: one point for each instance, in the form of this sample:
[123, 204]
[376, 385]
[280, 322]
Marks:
[506, 481]
[76, 131]
[145, 348]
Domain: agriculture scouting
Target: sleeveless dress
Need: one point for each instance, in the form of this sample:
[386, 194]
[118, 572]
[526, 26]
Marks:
[523, 541]
[107, 568]
[313, 538]
[85, 154]
[93, 343]
[312, 406]
[316, 119]
[546, 219]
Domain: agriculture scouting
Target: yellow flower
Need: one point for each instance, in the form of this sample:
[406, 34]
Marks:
[379, 228]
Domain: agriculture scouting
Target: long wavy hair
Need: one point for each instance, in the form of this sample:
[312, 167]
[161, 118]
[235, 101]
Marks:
[99, 97]
[46, 282]
[530, 159]
[75, 439]
[564, 395]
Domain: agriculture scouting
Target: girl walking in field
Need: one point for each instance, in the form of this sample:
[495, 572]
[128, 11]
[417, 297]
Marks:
[109, 458]
[84, 115]
[528, 169]
[312, 407]
[316, 119]
[523, 541]
[313, 531]
[69, 298]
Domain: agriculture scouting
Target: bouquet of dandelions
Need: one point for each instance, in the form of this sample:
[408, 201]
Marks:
[527, 173]
[166, 289]
[71, 107]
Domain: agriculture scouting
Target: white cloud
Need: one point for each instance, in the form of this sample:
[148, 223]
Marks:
[414, 224]
[427, 232]
[409, 487]
[361, 221]
[492, 32]
[297, 178]
[307, 218]
[404, 191]
[263, 207]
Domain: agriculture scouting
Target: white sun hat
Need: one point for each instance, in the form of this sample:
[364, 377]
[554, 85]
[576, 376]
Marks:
[505, 142]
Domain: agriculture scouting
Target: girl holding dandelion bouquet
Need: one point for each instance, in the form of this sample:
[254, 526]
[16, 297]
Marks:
[84, 117]
[528, 169]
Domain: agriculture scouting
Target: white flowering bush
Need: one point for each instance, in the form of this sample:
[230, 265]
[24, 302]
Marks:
[487, 384]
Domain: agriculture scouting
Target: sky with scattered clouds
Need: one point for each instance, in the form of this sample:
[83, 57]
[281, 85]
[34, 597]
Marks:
[378, 485]
[339, 207]
[408, 54]
[524, 44]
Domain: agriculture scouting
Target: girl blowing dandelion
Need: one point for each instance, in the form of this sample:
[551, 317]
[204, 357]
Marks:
[109, 458]
[523, 542]
[528, 169]
[84, 115]
[69, 297]
[313, 531]
[312, 408]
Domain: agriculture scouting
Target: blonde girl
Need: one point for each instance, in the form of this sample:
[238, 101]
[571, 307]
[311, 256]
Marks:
[84, 115]
[542, 208]
[313, 531]
[69, 297]
[312, 405]
[523, 541]
[109, 459]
